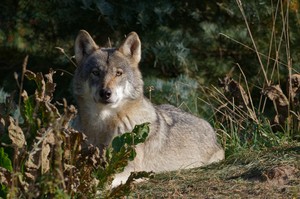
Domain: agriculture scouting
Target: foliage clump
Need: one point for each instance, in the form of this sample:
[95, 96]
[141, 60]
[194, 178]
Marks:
[45, 157]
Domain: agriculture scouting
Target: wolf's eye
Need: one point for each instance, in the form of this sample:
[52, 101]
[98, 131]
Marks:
[95, 72]
[119, 72]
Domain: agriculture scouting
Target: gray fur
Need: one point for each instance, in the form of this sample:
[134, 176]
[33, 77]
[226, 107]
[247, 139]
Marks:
[177, 139]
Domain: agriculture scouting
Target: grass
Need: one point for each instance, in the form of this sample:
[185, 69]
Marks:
[271, 173]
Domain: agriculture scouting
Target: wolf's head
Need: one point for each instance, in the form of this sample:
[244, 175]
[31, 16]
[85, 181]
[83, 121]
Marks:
[108, 76]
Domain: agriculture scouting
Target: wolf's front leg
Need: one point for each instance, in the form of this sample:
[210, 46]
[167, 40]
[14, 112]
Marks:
[119, 179]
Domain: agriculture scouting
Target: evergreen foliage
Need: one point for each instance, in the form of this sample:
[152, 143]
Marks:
[178, 37]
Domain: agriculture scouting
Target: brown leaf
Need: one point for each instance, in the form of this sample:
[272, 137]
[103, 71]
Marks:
[69, 114]
[236, 92]
[33, 164]
[30, 175]
[30, 75]
[50, 86]
[275, 94]
[50, 108]
[40, 92]
[32, 161]
[5, 176]
[2, 125]
[294, 89]
[24, 95]
[48, 143]
[16, 134]
[45, 163]
[39, 157]
[281, 104]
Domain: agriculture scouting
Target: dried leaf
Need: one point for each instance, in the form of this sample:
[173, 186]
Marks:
[275, 94]
[94, 156]
[69, 114]
[69, 167]
[50, 138]
[40, 92]
[235, 91]
[30, 75]
[50, 108]
[2, 126]
[5, 176]
[24, 95]
[30, 176]
[44, 158]
[281, 104]
[16, 134]
[48, 143]
[50, 86]
[32, 162]
[294, 89]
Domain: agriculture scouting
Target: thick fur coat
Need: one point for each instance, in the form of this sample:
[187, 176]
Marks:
[108, 87]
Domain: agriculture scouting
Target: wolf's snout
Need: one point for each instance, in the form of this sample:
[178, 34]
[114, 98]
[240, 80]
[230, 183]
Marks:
[105, 94]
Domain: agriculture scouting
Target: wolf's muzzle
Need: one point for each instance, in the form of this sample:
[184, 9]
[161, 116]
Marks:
[105, 94]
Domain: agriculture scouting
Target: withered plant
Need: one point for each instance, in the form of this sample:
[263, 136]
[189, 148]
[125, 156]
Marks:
[44, 157]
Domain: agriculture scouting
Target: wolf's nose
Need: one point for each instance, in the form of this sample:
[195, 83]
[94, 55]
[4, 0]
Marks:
[105, 93]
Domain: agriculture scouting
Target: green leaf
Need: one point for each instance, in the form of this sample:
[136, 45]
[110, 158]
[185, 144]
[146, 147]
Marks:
[132, 155]
[140, 133]
[117, 143]
[3, 191]
[120, 152]
[29, 110]
[5, 162]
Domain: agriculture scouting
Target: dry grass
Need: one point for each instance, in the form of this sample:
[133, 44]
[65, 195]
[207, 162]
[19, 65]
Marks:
[274, 173]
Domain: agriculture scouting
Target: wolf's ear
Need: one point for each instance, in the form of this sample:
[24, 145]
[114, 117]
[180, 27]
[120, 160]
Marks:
[131, 47]
[84, 46]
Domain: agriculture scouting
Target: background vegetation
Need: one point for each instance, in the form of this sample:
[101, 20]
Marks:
[235, 63]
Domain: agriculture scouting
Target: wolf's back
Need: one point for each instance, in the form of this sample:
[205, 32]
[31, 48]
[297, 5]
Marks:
[182, 140]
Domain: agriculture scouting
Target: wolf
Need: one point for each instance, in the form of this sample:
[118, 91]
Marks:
[108, 87]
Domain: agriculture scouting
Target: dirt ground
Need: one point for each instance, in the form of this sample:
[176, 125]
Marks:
[272, 173]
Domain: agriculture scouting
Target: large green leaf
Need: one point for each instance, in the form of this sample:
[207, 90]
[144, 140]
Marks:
[5, 162]
[138, 135]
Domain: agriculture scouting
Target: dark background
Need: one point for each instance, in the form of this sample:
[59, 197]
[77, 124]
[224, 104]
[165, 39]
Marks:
[182, 41]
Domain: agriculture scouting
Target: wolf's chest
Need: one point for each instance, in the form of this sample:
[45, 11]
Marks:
[102, 128]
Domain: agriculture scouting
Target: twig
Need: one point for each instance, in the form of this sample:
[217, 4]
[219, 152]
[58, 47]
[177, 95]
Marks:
[252, 49]
[62, 70]
[289, 59]
[240, 5]
[68, 57]
[109, 43]
[251, 112]
[22, 79]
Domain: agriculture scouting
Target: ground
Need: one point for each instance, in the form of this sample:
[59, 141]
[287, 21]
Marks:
[269, 173]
